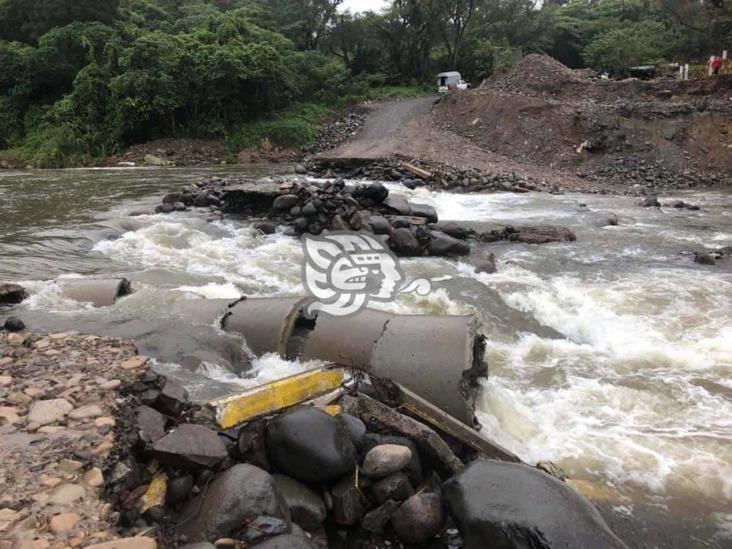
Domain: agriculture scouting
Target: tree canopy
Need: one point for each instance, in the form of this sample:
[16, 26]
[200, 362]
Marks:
[91, 76]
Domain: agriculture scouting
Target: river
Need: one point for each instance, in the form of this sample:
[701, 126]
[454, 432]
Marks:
[610, 356]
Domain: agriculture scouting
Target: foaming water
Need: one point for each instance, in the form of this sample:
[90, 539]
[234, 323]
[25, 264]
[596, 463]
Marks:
[610, 356]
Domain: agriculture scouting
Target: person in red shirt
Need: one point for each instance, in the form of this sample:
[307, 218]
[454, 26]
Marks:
[716, 64]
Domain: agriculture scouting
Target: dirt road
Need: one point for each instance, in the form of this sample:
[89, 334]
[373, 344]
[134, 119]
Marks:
[383, 132]
[407, 129]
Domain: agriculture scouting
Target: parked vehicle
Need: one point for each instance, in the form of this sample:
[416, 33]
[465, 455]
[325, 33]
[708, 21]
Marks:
[452, 80]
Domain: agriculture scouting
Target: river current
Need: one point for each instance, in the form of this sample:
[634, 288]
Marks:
[610, 356]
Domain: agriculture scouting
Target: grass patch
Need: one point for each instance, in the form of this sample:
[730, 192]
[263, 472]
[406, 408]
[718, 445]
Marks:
[294, 127]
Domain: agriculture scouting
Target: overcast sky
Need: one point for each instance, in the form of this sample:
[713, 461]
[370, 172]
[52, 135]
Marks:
[363, 5]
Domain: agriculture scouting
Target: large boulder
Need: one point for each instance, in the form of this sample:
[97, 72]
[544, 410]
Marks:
[307, 507]
[190, 446]
[441, 244]
[284, 202]
[379, 224]
[423, 210]
[375, 192]
[11, 294]
[405, 243]
[234, 498]
[510, 505]
[397, 204]
[311, 446]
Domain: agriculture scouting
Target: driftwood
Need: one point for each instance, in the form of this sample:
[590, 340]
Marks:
[419, 172]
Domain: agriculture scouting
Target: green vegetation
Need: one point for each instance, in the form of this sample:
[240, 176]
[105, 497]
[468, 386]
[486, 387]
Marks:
[85, 78]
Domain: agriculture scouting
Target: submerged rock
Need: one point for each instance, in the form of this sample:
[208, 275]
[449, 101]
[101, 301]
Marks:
[12, 294]
[235, 497]
[515, 506]
[442, 244]
[311, 446]
[14, 324]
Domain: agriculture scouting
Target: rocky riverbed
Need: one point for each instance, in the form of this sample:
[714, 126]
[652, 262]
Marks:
[99, 451]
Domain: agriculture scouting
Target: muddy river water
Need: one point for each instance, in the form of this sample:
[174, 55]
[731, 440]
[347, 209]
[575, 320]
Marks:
[611, 356]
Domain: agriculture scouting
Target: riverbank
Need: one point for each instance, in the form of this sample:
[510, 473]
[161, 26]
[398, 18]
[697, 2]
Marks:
[99, 452]
[58, 445]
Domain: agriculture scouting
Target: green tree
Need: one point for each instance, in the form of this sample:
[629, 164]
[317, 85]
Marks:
[616, 50]
[28, 20]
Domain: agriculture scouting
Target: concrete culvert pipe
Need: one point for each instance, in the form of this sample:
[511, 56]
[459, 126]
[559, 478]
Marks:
[100, 292]
[265, 323]
[437, 357]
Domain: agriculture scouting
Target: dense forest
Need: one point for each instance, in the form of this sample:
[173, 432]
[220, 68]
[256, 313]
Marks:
[85, 78]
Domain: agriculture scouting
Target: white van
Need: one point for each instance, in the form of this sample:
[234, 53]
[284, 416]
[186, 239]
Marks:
[452, 80]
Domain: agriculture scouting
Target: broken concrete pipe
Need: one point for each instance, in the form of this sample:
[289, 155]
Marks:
[438, 357]
[100, 292]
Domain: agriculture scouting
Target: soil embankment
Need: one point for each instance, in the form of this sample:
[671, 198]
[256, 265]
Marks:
[548, 123]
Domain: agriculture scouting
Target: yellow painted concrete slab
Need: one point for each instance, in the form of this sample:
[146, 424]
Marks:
[275, 396]
[155, 493]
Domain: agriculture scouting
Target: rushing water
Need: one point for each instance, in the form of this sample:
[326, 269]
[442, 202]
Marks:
[610, 356]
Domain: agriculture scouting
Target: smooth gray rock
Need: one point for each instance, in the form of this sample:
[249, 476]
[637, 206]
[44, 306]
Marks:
[306, 507]
[235, 497]
[310, 446]
[386, 459]
[397, 204]
[423, 210]
[379, 224]
[284, 202]
[413, 470]
[419, 519]
[190, 446]
[515, 506]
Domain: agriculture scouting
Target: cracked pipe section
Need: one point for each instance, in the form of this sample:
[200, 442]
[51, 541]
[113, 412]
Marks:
[438, 357]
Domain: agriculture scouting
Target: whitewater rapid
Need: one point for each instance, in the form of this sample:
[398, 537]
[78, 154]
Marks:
[610, 356]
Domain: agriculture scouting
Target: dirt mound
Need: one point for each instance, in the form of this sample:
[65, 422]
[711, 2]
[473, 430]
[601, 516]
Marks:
[534, 73]
[657, 133]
